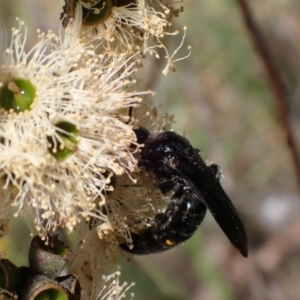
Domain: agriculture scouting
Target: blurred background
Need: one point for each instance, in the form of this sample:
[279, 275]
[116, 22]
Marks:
[222, 101]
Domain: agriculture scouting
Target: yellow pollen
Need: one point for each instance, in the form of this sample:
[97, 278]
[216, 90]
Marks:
[169, 243]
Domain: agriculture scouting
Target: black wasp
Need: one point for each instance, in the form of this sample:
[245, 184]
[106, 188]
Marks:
[194, 186]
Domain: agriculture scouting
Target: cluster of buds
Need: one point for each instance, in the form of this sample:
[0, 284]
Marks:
[65, 134]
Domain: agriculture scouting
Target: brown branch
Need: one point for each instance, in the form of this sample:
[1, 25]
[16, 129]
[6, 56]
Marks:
[276, 81]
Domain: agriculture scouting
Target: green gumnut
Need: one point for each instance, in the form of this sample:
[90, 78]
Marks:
[69, 135]
[97, 13]
[17, 94]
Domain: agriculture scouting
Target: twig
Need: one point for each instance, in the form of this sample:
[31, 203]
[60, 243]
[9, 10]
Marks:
[276, 81]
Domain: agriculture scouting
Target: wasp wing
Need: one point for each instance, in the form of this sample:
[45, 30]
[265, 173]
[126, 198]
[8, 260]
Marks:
[204, 182]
